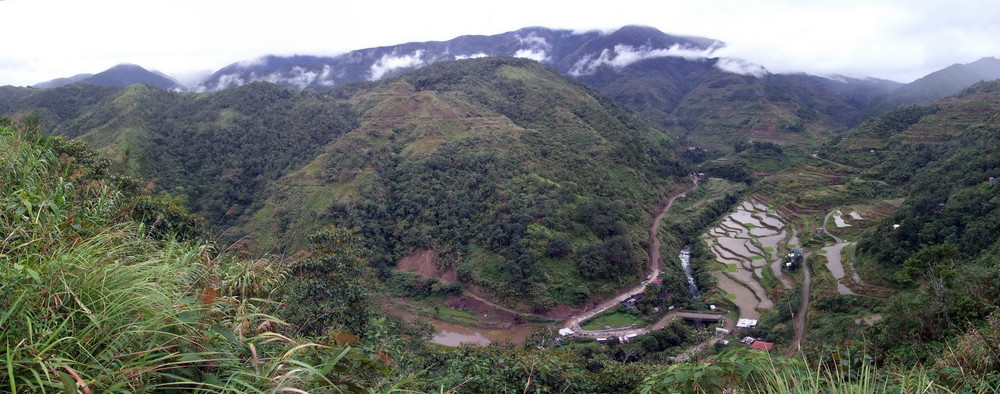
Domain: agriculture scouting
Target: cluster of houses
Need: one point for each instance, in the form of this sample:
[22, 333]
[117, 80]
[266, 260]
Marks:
[634, 300]
[621, 338]
[756, 343]
[792, 260]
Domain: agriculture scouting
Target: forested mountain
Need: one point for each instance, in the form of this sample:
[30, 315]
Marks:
[939, 84]
[527, 183]
[711, 107]
[214, 152]
[120, 76]
[55, 83]
[673, 80]
[490, 163]
[567, 51]
[670, 79]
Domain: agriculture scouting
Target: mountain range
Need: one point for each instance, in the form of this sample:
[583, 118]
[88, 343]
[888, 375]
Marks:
[673, 80]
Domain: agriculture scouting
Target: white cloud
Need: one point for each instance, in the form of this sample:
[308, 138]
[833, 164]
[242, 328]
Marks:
[532, 40]
[229, 81]
[257, 61]
[390, 62]
[536, 47]
[472, 56]
[537, 55]
[324, 77]
[299, 77]
[742, 67]
[623, 55]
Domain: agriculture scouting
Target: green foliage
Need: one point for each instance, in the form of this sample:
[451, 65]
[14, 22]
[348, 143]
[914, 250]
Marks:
[935, 265]
[756, 371]
[734, 171]
[409, 285]
[92, 303]
[556, 198]
[333, 287]
[895, 121]
[220, 148]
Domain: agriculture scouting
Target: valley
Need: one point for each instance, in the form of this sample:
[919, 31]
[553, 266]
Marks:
[586, 223]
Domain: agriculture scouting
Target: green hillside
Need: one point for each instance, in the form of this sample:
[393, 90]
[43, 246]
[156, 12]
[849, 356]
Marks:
[940, 248]
[96, 300]
[491, 164]
[212, 152]
[508, 171]
[715, 109]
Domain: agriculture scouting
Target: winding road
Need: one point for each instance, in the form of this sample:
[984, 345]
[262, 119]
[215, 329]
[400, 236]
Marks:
[654, 271]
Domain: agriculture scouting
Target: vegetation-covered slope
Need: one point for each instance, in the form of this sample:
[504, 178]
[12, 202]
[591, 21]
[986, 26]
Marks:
[524, 182]
[94, 301]
[86, 283]
[717, 109]
[213, 152]
[940, 247]
[937, 85]
[121, 75]
[105, 289]
[509, 171]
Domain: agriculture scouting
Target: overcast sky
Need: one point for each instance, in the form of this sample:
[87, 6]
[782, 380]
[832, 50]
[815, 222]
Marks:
[897, 40]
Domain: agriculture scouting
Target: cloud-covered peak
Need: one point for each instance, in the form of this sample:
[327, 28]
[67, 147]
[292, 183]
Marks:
[536, 47]
[251, 63]
[742, 67]
[392, 61]
[623, 55]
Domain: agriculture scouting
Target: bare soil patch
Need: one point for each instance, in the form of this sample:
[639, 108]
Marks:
[425, 262]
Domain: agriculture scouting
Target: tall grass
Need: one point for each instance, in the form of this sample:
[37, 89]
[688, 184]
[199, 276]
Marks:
[759, 372]
[88, 303]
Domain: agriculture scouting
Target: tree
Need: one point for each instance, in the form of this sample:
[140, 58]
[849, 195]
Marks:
[558, 247]
[333, 287]
[933, 265]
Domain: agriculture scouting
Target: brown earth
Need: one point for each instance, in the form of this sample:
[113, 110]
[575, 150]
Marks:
[425, 262]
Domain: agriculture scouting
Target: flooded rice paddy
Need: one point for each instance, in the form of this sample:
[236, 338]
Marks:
[747, 241]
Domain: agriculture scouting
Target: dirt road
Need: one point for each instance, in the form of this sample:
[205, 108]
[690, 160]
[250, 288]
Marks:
[654, 271]
[800, 319]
